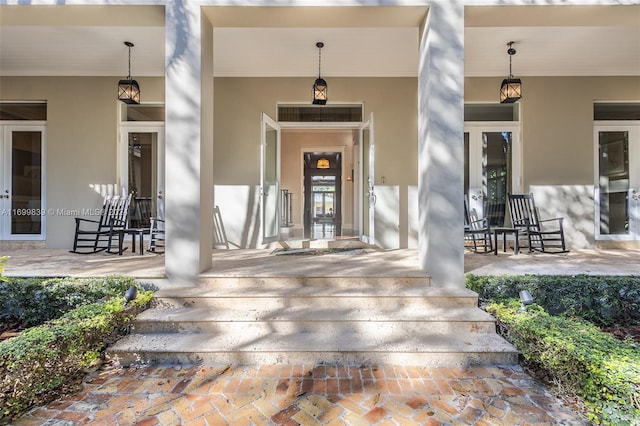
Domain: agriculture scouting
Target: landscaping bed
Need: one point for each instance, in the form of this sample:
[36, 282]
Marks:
[62, 327]
[579, 336]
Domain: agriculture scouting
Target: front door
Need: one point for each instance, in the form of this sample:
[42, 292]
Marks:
[322, 194]
[22, 168]
[142, 172]
[491, 168]
[270, 179]
[617, 184]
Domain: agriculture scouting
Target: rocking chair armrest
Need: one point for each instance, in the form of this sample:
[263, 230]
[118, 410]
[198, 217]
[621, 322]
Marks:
[521, 223]
[478, 224]
[559, 219]
[78, 219]
[117, 223]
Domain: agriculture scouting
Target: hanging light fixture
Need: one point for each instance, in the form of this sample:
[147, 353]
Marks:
[320, 86]
[511, 88]
[323, 163]
[128, 90]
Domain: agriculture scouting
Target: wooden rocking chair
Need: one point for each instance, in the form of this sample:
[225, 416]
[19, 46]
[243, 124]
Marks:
[477, 232]
[543, 235]
[104, 231]
[156, 240]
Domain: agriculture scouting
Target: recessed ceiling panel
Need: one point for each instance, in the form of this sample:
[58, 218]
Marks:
[292, 52]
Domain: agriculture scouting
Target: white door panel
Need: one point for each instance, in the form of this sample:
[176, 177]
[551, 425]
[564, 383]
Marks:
[617, 181]
[22, 182]
[270, 179]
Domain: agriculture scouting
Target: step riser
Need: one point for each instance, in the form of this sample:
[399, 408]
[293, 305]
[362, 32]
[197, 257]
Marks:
[269, 303]
[343, 282]
[333, 327]
[431, 359]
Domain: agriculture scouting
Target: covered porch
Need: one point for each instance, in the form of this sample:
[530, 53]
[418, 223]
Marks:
[43, 262]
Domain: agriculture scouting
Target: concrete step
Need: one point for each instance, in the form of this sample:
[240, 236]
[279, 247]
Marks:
[305, 243]
[369, 346]
[310, 285]
[321, 293]
[293, 319]
[310, 319]
[323, 303]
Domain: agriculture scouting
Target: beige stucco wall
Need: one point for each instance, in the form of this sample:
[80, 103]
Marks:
[238, 106]
[558, 143]
[81, 141]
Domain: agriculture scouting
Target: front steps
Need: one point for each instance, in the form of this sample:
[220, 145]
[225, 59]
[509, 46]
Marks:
[308, 320]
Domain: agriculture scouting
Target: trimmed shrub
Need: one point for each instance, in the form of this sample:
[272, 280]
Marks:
[84, 316]
[45, 360]
[603, 371]
[603, 300]
[32, 301]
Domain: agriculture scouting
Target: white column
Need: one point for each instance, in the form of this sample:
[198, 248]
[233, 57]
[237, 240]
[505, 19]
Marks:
[441, 144]
[189, 141]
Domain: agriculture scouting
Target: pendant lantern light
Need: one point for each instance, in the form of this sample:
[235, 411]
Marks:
[511, 88]
[129, 90]
[319, 86]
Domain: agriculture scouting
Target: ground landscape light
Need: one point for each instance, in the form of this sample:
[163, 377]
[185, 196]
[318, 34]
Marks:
[526, 299]
[129, 90]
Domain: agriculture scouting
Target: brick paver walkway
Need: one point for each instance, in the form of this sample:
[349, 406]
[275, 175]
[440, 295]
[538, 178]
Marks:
[306, 395]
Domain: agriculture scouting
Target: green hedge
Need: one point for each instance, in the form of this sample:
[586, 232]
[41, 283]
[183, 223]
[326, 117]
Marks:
[603, 300]
[37, 365]
[32, 301]
[603, 371]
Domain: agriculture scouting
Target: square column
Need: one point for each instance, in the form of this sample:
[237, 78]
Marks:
[441, 144]
[189, 141]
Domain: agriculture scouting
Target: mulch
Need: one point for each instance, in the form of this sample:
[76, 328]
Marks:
[8, 330]
[631, 332]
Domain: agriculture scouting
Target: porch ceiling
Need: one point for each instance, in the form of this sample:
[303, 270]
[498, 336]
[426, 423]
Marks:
[359, 41]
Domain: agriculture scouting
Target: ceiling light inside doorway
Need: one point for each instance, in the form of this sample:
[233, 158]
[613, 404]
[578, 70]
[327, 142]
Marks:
[511, 88]
[319, 86]
[129, 90]
[323, 163]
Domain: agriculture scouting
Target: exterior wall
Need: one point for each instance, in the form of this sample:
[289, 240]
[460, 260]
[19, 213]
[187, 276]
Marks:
[557, 144]
[238, 105]
[82, 141]
[556, 115]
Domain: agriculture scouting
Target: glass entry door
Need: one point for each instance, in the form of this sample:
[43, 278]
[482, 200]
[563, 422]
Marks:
[617, 186]
[142, 172]
[22, 204]
[491, 169]
[270, 179]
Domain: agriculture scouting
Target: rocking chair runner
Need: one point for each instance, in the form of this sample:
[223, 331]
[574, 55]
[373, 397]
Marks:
[113, 217]
[543, 235]
[477, 233]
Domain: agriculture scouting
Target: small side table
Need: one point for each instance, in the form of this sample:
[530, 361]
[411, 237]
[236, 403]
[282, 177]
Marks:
[504, 232]
[134, 232]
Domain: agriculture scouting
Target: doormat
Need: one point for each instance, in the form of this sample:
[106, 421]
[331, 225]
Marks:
[318, 251]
